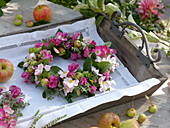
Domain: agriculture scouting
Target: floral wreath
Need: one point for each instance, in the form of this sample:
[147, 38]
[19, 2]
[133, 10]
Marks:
[95, 75]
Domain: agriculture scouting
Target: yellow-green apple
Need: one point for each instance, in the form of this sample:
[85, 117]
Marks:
[130, 123]
[6, 70]
[152, 108]
[19, 16]
[141, 118]
[17, 22]
[109, 120]
[29, 23]
[42, 12]
[77, 43]
[131, 112]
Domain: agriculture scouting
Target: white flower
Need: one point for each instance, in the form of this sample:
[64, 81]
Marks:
[62, 74]
[36, 80]
[25, 64]
[87, 40]
[47, 67]
[39, 69]
[31, 56]
[105, 84]
[69, 85]
[96, 71]
[98, 59]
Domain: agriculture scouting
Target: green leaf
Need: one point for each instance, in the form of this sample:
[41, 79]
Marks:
[131, 19]
[20, 65]
[32, 78]
[54, 70]
[152, 37]
[81, 6]
[99, 19]
[101, 4]
[108, 44]
[40, 22]
[88, 13]
[45, 62]
[88, 64]
[134, 35]
[110, 8]
[1, 12]
[93, 5]
[103, 66]
[44, 95]
[34, 50]
[2, 3]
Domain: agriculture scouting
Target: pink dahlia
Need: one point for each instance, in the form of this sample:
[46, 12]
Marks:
[149, 8]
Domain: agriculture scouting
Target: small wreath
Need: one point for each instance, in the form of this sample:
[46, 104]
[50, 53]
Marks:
[95, 75]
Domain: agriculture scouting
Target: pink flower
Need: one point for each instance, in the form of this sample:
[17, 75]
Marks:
[39, 69]
[20, 100]
[105, 50]
[113, 51]
[46, 55]
[74, 56]
[86, 52]
[46, 44]
[38, 44]
[71, 74]
[97, 50]
[12, 123]
[72, 67]
[83, 81]
[61, 36]
[93, 43]
[3, 124]
[67, 45]
[149, 8]
[55, 41]
[15, 91]
[93, 89]
[8, 109]
[2, 114]
[107, 75]
[1, 91]
[75, 36]
[53, 81]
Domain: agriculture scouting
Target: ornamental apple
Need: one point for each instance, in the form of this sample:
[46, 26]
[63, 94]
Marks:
[77, 43]
[131, 112]
[42, 12]
[152, 108]
[29, 23]
[109, 120]
[6, 70]
[19, 16]
[142, 117]
[17, 22]
[130, 123]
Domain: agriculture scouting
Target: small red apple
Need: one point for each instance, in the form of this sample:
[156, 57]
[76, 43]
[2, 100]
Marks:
[42, 12]
[6, 70]
[29, 23]
[109, 120]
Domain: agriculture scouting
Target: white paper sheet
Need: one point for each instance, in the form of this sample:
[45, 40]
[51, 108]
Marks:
[15, 48]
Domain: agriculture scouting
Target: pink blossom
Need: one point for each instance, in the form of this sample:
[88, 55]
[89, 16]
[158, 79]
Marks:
[38, 44]
[61, 36]
[8, 109]
[113, 51]
[93, 43]
[39, 69]
[53, 81]
[83, 81]
[93, 89]
[71, 74]
[15, 91]
[46, 55]
[46, 44]
[2, 114]
[12, 123]
[72, 67]
[107, 75]
[55, 41]
[1, 91]
[3, 124]
[75, 36]
[74, 56]
[105, 50]
[67, 45]
[20, 100]
[149, 8]
[86, 52]
[97, 50]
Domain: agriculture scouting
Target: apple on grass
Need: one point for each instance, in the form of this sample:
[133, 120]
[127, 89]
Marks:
[109, 120]
[42, 12]
[6, 70]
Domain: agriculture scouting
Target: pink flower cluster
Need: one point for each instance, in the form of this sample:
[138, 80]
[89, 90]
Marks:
[53, 81]
[46, 55]
[149, 8]
[103, 51]
[27, 77]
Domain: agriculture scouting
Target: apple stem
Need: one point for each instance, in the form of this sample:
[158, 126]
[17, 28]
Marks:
[133, 101]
